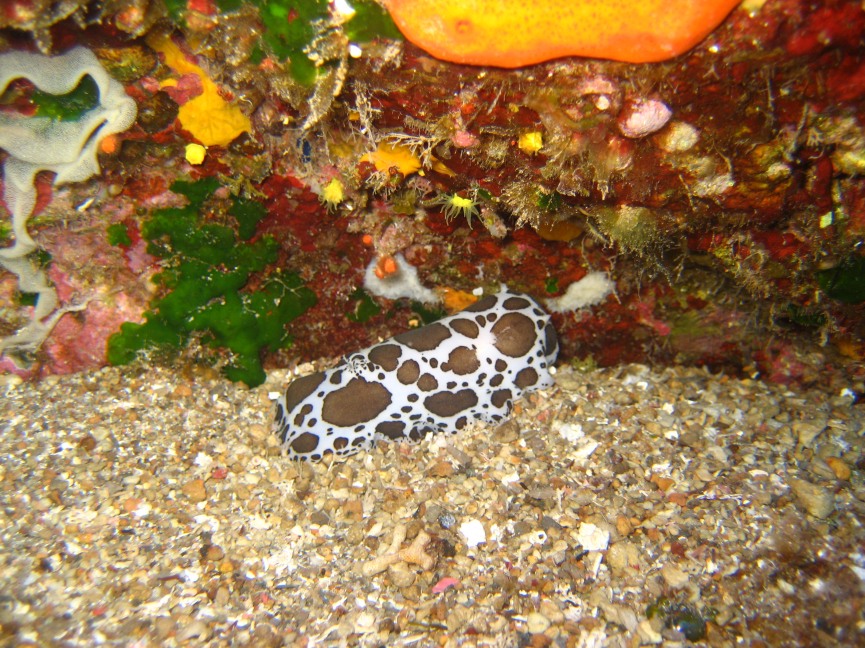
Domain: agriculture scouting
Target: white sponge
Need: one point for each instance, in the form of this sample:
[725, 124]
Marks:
[66, 148]
[402, 283]
[588, 291]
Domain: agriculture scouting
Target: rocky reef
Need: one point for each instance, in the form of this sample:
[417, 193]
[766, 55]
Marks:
[717, 191]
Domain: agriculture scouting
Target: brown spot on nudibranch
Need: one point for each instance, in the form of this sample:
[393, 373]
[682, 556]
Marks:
[501, 397]
[481, 305]
[298, 418]
[465, 327]
[301, 388]
[305, 443]
[418, 433]
[427, 383]
[450, 403]
[462, 361]
[386, 356]
[408, 372]
[515, 334]
[358, 402]
[391, 429]
[551, 341]
[526, 378]
[516, 303]
[425, 338]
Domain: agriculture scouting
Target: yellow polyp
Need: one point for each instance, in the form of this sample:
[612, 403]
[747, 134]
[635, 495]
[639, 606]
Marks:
[208, 117]
[531, 143]
[333, 193]
[462, 204]
[195, 153]
[393, 156]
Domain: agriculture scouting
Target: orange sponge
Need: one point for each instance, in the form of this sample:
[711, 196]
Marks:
[513, 33]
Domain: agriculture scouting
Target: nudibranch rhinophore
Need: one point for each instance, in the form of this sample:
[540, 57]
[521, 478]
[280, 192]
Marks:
[463, 368]
[514, 33]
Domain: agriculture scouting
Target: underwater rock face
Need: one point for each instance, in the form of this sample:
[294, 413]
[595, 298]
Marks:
[723, 191]
[463, 368]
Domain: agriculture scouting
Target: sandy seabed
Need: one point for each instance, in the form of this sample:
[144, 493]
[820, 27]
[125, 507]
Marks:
[625, 507]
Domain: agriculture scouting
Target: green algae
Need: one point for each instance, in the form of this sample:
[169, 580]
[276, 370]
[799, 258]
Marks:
[846, 281]
[206, 293]
[118, 235]
[69, 106]
[365, 307]
[427, 315]
[292, 28]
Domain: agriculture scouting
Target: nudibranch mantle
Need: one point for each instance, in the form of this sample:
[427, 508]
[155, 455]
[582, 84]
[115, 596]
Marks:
[463, 368]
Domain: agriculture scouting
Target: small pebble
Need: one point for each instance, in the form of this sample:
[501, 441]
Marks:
[648, 634]
[816, 500]
[507, 432]
[401, 576]
[195, 629]
[447, 520]
[840, 468]
[182, 391]
[624, 526]
[213, 553]
[537, 623]
[675, 577]
[195, 490]
[624, 558]
[807, 431]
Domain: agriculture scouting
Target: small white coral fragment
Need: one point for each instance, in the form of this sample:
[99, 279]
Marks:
[414, 554]
[473, 533]
[593, 538]
[588, 291]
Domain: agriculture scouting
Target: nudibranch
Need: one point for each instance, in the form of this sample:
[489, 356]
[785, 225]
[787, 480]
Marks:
[514, 33]
[440, 377]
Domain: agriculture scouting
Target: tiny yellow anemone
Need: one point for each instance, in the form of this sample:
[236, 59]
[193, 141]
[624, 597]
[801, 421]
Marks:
[455, 205]
[332, 194]
[531, 143]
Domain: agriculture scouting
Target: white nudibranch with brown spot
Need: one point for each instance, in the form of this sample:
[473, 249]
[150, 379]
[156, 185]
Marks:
[463, 368]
